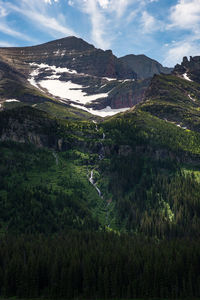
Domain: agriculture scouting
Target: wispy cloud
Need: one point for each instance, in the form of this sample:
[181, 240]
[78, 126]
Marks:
[50, 1]
[6, 44]
[35, 12]
[148, 22]
[6, 28]
[106, 17]
[99, 23]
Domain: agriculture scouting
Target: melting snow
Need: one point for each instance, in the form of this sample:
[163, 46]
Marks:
[53, 68]
[12, 100]
[105, 112]
[178, 125]
[69, 90]
[53, 77]
[191, 98]
[109, 79]
[33, 74]
[185, 76]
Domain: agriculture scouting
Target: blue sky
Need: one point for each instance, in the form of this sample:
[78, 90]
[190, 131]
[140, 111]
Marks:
[165, 30]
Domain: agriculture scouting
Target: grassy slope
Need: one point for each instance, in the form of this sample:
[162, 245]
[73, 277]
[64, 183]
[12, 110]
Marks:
[174, 99]
[144, 157]
[26, 169]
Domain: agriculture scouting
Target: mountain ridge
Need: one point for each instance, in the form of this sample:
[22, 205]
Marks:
[71, 64]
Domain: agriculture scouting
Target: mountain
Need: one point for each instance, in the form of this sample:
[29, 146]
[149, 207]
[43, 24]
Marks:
[72, 73]
[95, 207]
[144, 66]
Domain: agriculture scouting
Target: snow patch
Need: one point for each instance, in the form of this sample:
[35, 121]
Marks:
[178, 125]
[31, 79]
[185, 76]
[53, 77]
[125, 80]
[191, 98]
[109, 79]
[53, 68]
[12, 100]
[70, 91]
[106, 112]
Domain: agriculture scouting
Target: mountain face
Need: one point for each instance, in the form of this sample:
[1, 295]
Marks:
[75, 54]
[144, 66]
[126, 167]
[96, 207]
[73, 73]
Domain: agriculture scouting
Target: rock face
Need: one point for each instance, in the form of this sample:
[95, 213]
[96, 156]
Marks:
[72, 72]
[73, 53]
[190, 68]
[144, 66]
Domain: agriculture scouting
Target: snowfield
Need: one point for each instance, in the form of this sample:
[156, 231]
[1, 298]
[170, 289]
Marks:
[69, 91]
[185, 76]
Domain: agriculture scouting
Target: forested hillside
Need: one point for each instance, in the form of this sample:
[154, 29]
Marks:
[102, 208]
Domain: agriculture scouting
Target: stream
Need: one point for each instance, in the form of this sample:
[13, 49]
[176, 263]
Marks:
[91, 175]
[91, 180]
[101, 156]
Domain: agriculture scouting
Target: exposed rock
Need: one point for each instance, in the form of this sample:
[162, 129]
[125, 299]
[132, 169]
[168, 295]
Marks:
[190, 67]
[144, 66]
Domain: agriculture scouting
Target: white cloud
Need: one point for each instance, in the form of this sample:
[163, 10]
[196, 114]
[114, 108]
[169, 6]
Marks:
[3, 12]
[105, 17]
[148, 22]
[71, 3]
[6, 29]
[50, 1]
[180, 49]
[115, 6]
[104, 3]
[99, 23]
[185, 14]
[6, 44]
[35, 11]
[120, 6]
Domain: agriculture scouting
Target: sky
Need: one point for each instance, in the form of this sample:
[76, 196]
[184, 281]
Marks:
[165, 30]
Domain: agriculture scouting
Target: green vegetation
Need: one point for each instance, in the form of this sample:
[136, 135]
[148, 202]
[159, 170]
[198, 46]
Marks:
[44, 191]
[61, 111]
[174, 99]
[85, 265]
[138, 238]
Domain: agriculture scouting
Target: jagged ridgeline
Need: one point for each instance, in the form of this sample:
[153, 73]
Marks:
[94, 207]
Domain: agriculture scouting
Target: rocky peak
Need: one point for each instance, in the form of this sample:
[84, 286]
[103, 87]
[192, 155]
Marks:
[68, 43]
[73, 53]
[144, 66]
[190, 67]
